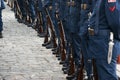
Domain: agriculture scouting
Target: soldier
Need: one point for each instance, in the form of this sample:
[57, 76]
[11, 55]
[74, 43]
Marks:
[102, 45]
[63, 16]
[73, 20]
[2, 6]
[86, 9]
[52, 10]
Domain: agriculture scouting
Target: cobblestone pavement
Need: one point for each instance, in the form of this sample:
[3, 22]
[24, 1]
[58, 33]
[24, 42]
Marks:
[21, 55]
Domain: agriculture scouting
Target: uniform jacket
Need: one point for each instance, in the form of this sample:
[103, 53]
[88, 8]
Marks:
[112, 9]
[74, 17]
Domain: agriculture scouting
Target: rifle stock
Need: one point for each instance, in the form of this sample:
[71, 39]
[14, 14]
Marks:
[62, 39]
[40, 21]
[72, 66]
[81, 75]
[95, 71]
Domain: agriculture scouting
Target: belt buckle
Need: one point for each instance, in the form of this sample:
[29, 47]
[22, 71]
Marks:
[91, 31]
[84, 6]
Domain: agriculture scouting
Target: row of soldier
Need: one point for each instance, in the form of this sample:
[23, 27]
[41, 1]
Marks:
[79, 33]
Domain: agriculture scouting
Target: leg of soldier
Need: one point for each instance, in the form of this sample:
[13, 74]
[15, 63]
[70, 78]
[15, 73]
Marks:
[109, 70]
[86, 57]
[67, 37]
[76, 54]
[43, 17]
[32, 9]
[32, 12]
[84, 46]
[43, 14]
[1, 24]
[22, 8]
[76, 49]
[98, 47]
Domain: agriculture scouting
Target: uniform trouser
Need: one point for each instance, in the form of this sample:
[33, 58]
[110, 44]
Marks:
[22, 7]
[43, 14]
[54, 20]
[98, 48]
[67, 37]
[44, 20]
[32, 9]
[75, 41]
[1, 23]
[84, 48]
[87, 59]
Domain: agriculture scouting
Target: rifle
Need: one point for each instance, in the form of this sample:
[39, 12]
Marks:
[71, 70]
[72, 66]
[95, 75]
[46, 34]
[80, 75]
[50, 25]
[62, 39]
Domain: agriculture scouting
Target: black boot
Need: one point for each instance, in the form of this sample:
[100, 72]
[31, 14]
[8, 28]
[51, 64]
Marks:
[49, 46]
[32, 24]
[70, 77]
[45, 44]
[41, 34]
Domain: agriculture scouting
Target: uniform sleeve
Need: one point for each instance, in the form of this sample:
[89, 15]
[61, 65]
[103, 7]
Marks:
[112, 11]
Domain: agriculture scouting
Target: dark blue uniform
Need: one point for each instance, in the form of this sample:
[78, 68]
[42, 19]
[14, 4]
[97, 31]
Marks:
[1, 8]
[86, 8]
[53, 17]
[99, 37]
[64, 15]
[41, 9]
[22, 8]
[32, 9]
[74, 18]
